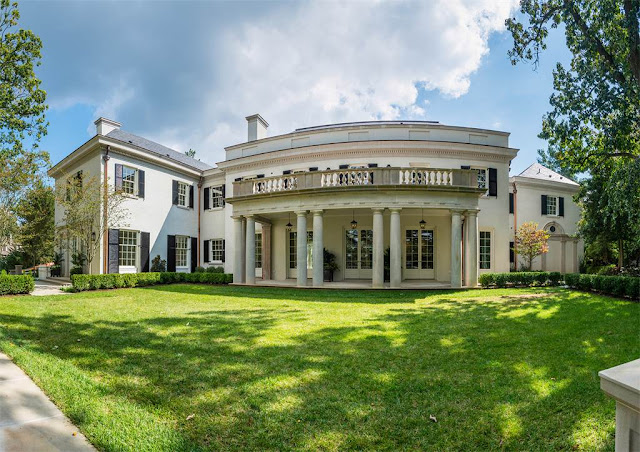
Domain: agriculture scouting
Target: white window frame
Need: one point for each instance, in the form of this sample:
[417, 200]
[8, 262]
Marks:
[180, 250]
[555, 206]
[485, 171]
[216, 197]
[216, 250]
[183, 194]
[480, 253]
[125, 182]
[128, 266]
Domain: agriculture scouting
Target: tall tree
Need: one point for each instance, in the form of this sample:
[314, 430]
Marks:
[595, 114]
[22, 106]
[36, 213]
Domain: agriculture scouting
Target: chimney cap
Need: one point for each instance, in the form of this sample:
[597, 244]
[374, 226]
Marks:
[259, 118]
[111, 122]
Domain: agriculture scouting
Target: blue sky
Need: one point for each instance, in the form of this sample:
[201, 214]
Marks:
[186, 74]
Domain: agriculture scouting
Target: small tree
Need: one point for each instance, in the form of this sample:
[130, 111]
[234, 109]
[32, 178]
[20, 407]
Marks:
[84, 219]
[531, 242]
[37, 225]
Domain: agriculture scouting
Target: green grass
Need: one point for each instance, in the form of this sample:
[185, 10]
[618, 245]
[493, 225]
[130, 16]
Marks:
[273, 369]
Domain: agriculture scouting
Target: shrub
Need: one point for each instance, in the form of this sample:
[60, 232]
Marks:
[541, 278]
[77, 270]
[555, 278]
[215, 269]
[486, 279]
[16, 284]
[585, 282]
[500, 279]
[111, 281]
[571, 280]
[620, 286]
[199, 269]
[158, 264]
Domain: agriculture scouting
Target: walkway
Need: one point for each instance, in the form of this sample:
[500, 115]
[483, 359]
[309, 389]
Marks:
[29, 421]
[44, 287]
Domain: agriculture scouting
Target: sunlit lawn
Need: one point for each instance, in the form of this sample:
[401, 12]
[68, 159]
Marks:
[190, 367]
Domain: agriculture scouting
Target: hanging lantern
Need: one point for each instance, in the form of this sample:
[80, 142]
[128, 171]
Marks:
[354, 223]
[289, 225]
[423, 224]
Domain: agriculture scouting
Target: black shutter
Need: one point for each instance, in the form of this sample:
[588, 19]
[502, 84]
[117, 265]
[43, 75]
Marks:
[493, 182]
[224, 194]
[118, 176]
[372, 165]
[313, 168]
[343, 166]
[543, 204]
[260, 176]
[465, 167]
[140, 184]
[144, 251]
[174, 193]
[194, 254]
[113, 251]
[285, 172]
[191, 196]
[561, 206]
[171, 253]
[224, 250]
[512, 254]
[207, 195]
[207, 244]
[510, 202]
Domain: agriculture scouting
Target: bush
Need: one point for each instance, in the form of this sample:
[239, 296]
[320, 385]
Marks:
[113, 281]
[486, 279]
[16, 284]
[555, 278]
[75, 270]
[215, 269]
[620, 286]
[158, 264]
[199, 270]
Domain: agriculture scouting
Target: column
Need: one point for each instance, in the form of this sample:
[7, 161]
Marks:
[250, 259]
[378, 249]
[563, 259]
[238, 256]
[266, 251]
[456, 241]
[301, 233]
[318, 248]
[395, 248]
[243, 247]
[471, 249]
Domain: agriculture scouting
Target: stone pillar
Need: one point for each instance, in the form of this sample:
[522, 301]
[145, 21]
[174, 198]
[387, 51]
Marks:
[395, 248]
[318, 248]
[243, 247]
[456, 241]
[266, 251]
[563, 259]
[471, 249]
[238, 256]
[378, 249]
[250, 259]
[301, 232]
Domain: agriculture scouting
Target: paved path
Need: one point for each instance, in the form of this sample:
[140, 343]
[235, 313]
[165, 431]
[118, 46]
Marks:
[46, 288]
[29, 421]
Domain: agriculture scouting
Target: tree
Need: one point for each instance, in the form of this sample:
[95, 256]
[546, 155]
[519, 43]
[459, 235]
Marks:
[595, 114]
[531, 242]
[36, 234]
[190, 153]
[8, 226]
[83, 219]
[22, 106]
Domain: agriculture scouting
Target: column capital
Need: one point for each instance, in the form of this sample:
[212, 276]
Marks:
[395, 209]
[471, 213]
[456, 212]
[301, 213]
[317, 213]
[377, 209]
[236, 217]
[249, 216]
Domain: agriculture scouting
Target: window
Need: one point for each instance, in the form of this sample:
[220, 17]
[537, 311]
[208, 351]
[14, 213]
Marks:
[351, 249]
[482, 178]
[258, 250]
[129, 176]
[182, 246]
[217, 250]
[552, 205]
[293, 249]
[128, 248]
[183, 194]
[485, 250]
[426, 251]
[366, 249]
[411, 249]
[309, 249]
[217, 197]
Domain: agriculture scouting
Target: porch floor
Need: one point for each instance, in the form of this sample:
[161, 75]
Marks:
[353, 284]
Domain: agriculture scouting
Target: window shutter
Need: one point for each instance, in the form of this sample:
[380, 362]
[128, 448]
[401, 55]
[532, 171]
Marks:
[140, 183]
[512, 254]
[118, 176]
[113, 250]
[144, 251]
[207, 195]
[561, 206]
[285, 172]
[465, 167]
[191, 196]
[493, 182]
[171, 253]
[510, 202]
[207, 245]
[174, 193]
[224, 250]
[313, 168]
[194, 254]
[343, 166]
[224, 194]
[543, 204]
[372, 165]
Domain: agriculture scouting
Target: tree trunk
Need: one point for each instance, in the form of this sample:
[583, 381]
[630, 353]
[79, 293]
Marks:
[620, 253]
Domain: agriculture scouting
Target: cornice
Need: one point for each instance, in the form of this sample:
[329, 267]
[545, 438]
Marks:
[541, 183]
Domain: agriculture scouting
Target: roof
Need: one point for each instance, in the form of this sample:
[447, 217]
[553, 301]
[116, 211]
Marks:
[537, 171]
[158, 149]
[366, 123]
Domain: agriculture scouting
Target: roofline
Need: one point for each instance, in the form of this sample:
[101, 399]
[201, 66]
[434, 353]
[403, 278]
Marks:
[544, 183]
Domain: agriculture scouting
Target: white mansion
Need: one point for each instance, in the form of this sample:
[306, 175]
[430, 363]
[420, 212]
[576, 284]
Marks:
[430, 203]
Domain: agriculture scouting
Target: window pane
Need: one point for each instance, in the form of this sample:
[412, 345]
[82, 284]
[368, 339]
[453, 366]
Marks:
[216, 197]
[552, 204]
[293, 249]
[309, 249]
[258, 250]
[485, 250]
[482, 178]
[411, 249]
[181, 250]
[426, 249]
[366, 249]
[182, 194]
[127, 248]
[217, 250]
[128, 180]
[351, 249]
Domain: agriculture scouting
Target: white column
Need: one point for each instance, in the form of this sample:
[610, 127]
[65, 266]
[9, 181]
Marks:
[250, 259]
[243, 247]
[471, 248]
[301, 232]
[238, 256]
[456, 241]
[318, 248]
[395, 246]
[378, 249]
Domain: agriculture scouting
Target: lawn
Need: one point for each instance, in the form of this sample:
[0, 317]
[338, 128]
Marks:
[188, 367]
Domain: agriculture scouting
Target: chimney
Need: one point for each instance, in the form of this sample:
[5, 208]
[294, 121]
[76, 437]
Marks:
[104, 125]
[257, 127]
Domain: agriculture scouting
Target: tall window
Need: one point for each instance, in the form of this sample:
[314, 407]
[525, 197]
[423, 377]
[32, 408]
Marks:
[426, 249]
[552, 205]
[182, 246]
[217, 198]
[127, 248]
[366, 249]
[293, 249]
[309, 249]
[411, 248]
[182, 194]
[351, 249]
[485, 250]
[217, 250]
[482, 178]
[258, 250]
[129, 176]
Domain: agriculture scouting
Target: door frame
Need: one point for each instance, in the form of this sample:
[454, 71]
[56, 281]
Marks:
[419, 273]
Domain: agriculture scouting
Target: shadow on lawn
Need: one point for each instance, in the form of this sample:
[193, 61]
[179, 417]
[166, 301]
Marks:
[510, 374]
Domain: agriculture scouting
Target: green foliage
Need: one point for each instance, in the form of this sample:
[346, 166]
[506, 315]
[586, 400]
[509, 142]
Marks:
[158, 264]
[200, 269]
[486, 279]
[619, 286]
[520, 279]
[215, 270]
[36, 233]
[12, 259]
[16, 284]
[115, 280]
[531, 242]
[330, 262]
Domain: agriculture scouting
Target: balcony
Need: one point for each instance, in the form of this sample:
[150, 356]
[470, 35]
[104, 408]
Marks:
[360, 179]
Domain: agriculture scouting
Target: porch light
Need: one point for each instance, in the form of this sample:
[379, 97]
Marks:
[354, 223]
[423, 224]
[289, 226]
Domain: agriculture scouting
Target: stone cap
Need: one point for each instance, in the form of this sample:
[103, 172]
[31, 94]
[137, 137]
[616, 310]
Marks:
[623, 383]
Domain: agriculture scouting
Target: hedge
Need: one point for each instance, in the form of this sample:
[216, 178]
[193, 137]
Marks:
[16, 284]
[520, 279]
[620, 286]
[115, 281]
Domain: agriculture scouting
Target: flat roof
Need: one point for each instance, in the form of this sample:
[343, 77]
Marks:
[365, 123]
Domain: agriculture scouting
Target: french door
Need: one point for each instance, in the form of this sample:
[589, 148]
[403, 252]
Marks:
[419, 254]
[358, 252]
[292, 247]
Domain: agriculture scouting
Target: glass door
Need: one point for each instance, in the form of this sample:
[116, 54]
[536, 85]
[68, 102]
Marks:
[358, 254]
[292, 246]
[419, 255]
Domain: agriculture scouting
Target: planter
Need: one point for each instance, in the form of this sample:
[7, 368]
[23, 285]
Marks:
[328, 275]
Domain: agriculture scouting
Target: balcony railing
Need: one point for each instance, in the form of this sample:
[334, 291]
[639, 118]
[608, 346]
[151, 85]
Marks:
[427, 177]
